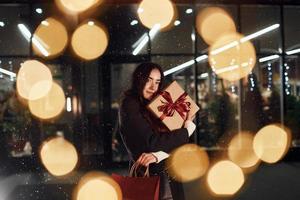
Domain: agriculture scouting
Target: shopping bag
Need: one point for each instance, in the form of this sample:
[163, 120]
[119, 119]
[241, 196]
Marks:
[138, 188]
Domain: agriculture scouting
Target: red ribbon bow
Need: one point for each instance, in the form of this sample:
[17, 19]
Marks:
[168, 108]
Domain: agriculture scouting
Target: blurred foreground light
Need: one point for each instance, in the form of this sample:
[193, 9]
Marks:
[140, 44]
[230, 59]
[52, 36]
[89, 41]
[294, 51]
[188, 162]
[58, 156]
[134, 22]
[241, 152]
[33, 75]
[50, 105]
[152, 12]
[189, 11]
[76, 6]
[225, 178]
[268, 58]
[271, 143]
[69, 104]
[97, 186]
[75, 105]
[177, 22]
[213, 22]
[39, 10]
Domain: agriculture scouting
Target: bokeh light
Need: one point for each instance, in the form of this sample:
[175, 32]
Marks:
[50, 105]
[76, 6]
[97, 186]
[50, 38]
[225, 178]
[271, 143]
[241, 152]
[188, 163]
[213, 22]
[152, 12]
[230, 58]
[58, 156]
[33, 74]
[90, 40]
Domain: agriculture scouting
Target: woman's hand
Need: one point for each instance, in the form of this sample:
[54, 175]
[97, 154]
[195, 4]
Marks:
[146, 159]
[190, 117]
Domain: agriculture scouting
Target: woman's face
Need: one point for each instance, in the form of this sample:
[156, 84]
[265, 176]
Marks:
[152, 84]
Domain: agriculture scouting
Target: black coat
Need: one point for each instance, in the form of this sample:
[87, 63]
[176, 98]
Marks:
[140, 137]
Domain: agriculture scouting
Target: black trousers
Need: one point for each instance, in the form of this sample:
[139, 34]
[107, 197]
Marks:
[169, 188]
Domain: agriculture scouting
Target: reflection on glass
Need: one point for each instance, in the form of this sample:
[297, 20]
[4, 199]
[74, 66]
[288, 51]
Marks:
[120, 81]
[219, 108]
[291, 79]
[12, 42]
[178, 39]
[256, 17]
[291, 29]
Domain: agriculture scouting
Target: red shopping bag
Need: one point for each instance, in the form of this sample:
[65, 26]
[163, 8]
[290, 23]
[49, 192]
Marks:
[138, 188]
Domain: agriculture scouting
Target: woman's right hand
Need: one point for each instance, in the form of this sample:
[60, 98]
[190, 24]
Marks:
[146, 159]
[190, 117]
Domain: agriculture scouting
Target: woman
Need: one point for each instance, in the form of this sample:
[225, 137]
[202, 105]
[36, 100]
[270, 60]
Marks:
[146, 138]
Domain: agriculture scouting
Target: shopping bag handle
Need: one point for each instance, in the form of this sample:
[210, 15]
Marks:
[134, 168]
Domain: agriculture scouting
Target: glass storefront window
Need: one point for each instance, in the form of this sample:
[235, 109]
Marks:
[14, 24]
[258, 17]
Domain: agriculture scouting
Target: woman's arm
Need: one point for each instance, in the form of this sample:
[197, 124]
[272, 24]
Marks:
[161, 155]
[140, 137]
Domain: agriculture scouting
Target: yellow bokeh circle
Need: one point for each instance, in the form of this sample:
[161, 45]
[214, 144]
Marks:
[50, 38]
[50, 105]
[76, 6]
[271, 143]
[231, 58]
[95, 186]
[90, 40]
[212, 23]
[33, 74]
[188, 162]
[58, 156]
[225, 178]
[241, 152]
[152, 12]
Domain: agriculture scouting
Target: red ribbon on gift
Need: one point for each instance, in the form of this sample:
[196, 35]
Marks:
[169, 107]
